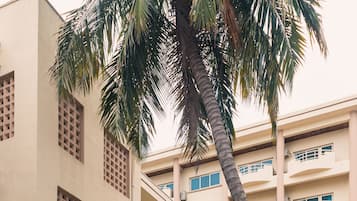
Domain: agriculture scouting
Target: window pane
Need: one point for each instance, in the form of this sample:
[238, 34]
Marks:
[313, 199]
[170, 186]
[214, 179]
[204, 181]
[195, 184]
[327, 197]
[267, 162]
[327, 148]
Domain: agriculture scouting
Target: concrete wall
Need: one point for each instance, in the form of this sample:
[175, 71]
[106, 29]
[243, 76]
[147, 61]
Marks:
[32, 164]
[18, 52]
[212, 193]
[339, 139]
[337, 185]
[262, 196]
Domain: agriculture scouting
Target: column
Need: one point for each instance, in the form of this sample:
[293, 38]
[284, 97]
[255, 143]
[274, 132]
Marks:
[280, 166]
[352, 156]
[176, 177]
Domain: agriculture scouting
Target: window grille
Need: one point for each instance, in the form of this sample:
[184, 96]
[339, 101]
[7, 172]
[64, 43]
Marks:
[254, 167]
[7, 106]
[313, 153]
[116, 165]
[63, 195]
[70, 126]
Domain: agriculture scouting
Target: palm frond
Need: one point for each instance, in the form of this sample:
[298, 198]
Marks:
[232, 24]
[203, 14]
[131, 92]
[82, 44]
[312, 19]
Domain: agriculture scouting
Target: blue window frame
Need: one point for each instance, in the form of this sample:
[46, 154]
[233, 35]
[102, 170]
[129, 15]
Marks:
[215, 179]
[313, 199]
[170, 186]
[195, 183]
[205, 181]
[167, 185]
[327, 197]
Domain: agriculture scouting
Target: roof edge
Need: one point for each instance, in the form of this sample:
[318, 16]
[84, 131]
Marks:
[330, 104]
[7, 3]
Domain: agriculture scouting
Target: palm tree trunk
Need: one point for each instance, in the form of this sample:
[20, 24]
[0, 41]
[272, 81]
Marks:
[186, 35]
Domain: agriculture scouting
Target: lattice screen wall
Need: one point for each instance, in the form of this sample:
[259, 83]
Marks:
[63, 195]
[70, 126]
[7, 106]
[116, 165]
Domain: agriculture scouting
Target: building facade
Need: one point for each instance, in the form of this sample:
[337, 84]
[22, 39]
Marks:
[53, 148]
[313, 158]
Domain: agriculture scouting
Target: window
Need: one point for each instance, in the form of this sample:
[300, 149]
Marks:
[205, 181]
[254, 167]
[116, 164]
[214, 179]
[70, 126]
[7, 103]
[63, 195]
[313, 153]
[168, 185]
[325, 197]
[195, 184]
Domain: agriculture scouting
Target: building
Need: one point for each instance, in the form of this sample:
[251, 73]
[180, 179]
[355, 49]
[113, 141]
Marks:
[51, 148]
[312, 159]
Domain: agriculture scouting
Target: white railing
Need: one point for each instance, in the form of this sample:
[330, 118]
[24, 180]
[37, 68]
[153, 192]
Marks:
[311, 163]
[312, 153]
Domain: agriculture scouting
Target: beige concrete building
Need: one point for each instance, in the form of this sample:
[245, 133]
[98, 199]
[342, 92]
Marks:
[50, 148]
[313, 158]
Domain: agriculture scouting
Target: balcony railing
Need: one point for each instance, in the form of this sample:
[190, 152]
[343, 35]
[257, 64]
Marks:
[312, 160]
[256, 173]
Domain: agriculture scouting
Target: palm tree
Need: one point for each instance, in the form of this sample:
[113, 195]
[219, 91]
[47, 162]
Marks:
[205, 49]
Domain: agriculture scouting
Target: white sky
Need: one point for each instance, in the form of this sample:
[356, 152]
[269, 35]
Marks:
[317, 81]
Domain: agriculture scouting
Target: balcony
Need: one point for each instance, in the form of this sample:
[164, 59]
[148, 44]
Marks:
[262, 175]
[311, 164]
[150, 192]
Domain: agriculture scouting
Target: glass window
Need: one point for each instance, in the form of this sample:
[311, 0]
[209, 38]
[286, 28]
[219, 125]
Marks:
[317, 198]
[268, 162]
[170, 186]
[327, 197]
[205, 181]
[215, 179]
[195, 184]
[313, 199]
[327, 148]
